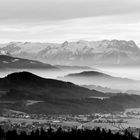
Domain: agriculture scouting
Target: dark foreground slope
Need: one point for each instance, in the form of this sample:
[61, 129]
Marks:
[32, 94]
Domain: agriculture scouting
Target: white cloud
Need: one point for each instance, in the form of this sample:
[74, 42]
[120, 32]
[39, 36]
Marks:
[60, 20]
[42, 10]
[96, 28]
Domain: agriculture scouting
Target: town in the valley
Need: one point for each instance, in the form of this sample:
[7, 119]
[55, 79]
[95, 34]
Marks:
[117, 122]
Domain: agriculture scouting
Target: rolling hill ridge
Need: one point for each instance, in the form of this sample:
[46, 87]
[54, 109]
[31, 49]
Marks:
[57, 97]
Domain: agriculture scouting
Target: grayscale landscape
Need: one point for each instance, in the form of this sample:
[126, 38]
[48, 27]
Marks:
[68, 68]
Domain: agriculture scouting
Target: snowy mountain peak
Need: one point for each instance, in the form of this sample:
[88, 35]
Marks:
[105, 52]
[65, 44]
[4, 53]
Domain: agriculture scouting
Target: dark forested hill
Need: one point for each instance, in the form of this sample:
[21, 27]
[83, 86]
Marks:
[27, 92]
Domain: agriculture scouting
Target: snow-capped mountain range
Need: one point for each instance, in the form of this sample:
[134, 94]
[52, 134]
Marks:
[90, 53]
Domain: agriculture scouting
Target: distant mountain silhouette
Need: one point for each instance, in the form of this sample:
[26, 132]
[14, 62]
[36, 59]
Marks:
[89, 74]
[101, 79]
[19, 63]
[102, 89]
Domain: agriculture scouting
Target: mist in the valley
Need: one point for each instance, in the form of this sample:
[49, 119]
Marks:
[124, 72]
[41, 72]
[120, 83]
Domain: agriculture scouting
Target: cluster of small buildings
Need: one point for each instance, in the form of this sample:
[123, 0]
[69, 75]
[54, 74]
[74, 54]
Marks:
[52, 118]
[30, 122]
[28, 128]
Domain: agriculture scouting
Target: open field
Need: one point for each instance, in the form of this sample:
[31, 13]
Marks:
[114, 122]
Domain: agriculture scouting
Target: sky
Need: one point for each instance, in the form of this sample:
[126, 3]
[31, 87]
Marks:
[60, 20]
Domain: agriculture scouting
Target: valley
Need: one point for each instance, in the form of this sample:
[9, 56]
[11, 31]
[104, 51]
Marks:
[35, 94]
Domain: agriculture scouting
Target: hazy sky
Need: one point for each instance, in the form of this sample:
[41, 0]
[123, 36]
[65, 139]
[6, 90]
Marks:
[60, 20]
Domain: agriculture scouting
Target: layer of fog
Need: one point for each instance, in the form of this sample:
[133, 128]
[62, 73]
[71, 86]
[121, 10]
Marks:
[132, 73]
[128, 72]
[41, 72]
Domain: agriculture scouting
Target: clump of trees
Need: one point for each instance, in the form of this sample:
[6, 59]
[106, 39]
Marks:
[95, 134]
